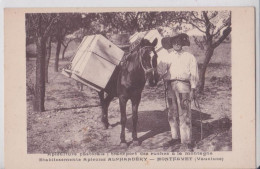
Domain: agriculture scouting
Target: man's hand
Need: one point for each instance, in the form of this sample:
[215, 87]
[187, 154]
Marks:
[192, 94]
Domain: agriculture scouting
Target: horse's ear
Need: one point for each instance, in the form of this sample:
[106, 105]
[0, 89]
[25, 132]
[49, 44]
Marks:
[155, 41]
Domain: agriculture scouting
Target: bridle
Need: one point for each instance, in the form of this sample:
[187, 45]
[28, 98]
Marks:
[140, 53]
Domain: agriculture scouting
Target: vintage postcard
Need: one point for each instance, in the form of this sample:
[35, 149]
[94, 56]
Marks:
[129, 87]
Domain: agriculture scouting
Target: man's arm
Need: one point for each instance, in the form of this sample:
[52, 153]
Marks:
[163, 69]
[194, 78]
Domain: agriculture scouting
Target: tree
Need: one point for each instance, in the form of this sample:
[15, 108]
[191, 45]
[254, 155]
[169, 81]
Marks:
[60, 33]
[66, 24]
[65, 45]
[130, 22]
[39, 26]
[48, 56]
[216, 26]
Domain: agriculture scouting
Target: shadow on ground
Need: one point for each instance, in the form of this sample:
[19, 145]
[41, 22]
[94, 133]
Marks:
[156, 122]
[79, 107]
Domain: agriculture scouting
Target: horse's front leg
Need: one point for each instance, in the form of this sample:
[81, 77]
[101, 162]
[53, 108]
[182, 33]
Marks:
[135, 103]
[122, 102]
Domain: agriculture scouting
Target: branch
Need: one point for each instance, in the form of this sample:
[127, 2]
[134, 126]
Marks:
[70, 40]
[63, 44]
[31, 23]
[219, 30]
[205, 15]
[196, 18]
[131, 15]
[64, 32]
[43, 17]
[177, 19]
[208, 26]
[226, 32]
[199, 43]
[213, 15]
[39, 31]
[227, 24]
[195, 26]
[138, 13]
[191, 22]
[49, 27]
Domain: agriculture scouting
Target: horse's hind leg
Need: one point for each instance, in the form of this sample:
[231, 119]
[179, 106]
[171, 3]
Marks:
[104, 104]
[122, 102]
[135, 104]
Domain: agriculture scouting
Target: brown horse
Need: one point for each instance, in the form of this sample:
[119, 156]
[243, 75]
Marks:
[127, 83]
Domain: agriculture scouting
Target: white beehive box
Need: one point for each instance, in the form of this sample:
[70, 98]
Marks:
[95, 61]
[151, 35]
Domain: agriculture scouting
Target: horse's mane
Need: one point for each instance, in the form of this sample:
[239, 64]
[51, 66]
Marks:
[134, 46]
[133, 49]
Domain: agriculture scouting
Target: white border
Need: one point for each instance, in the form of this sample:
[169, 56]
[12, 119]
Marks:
[121, 3]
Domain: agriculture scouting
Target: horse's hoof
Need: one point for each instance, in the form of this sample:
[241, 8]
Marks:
[123, 145]
[136, 143]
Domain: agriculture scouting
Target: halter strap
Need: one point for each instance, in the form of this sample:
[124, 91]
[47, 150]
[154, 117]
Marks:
[141, 62]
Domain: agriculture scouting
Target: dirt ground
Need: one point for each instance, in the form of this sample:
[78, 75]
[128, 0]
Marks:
[71, 122]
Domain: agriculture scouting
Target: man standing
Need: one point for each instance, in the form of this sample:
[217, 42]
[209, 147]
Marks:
[182, 78]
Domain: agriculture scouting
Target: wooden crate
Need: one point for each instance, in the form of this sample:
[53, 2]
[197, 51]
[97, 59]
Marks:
[151, 35]
[95, 61]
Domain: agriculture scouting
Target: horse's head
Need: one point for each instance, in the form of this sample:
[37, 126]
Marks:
[148, 60]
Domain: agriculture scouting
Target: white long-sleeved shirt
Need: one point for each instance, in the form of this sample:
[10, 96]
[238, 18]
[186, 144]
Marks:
[180, 66]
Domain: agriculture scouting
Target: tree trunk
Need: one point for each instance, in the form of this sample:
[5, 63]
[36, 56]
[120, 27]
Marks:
[64, 50]
[56, 64]
[40, 75]
[208, 55]
[48, 55]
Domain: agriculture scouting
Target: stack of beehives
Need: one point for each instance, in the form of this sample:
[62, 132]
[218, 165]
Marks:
[94, 62]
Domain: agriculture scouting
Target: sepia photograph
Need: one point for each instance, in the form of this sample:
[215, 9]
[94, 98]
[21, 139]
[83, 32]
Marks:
[123, 87]
[129, 81]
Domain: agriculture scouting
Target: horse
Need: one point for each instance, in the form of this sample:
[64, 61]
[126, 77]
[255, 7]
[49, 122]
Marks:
[127, 83]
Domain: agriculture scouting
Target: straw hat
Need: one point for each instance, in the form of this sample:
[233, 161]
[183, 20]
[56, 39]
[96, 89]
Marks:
[180, 39]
